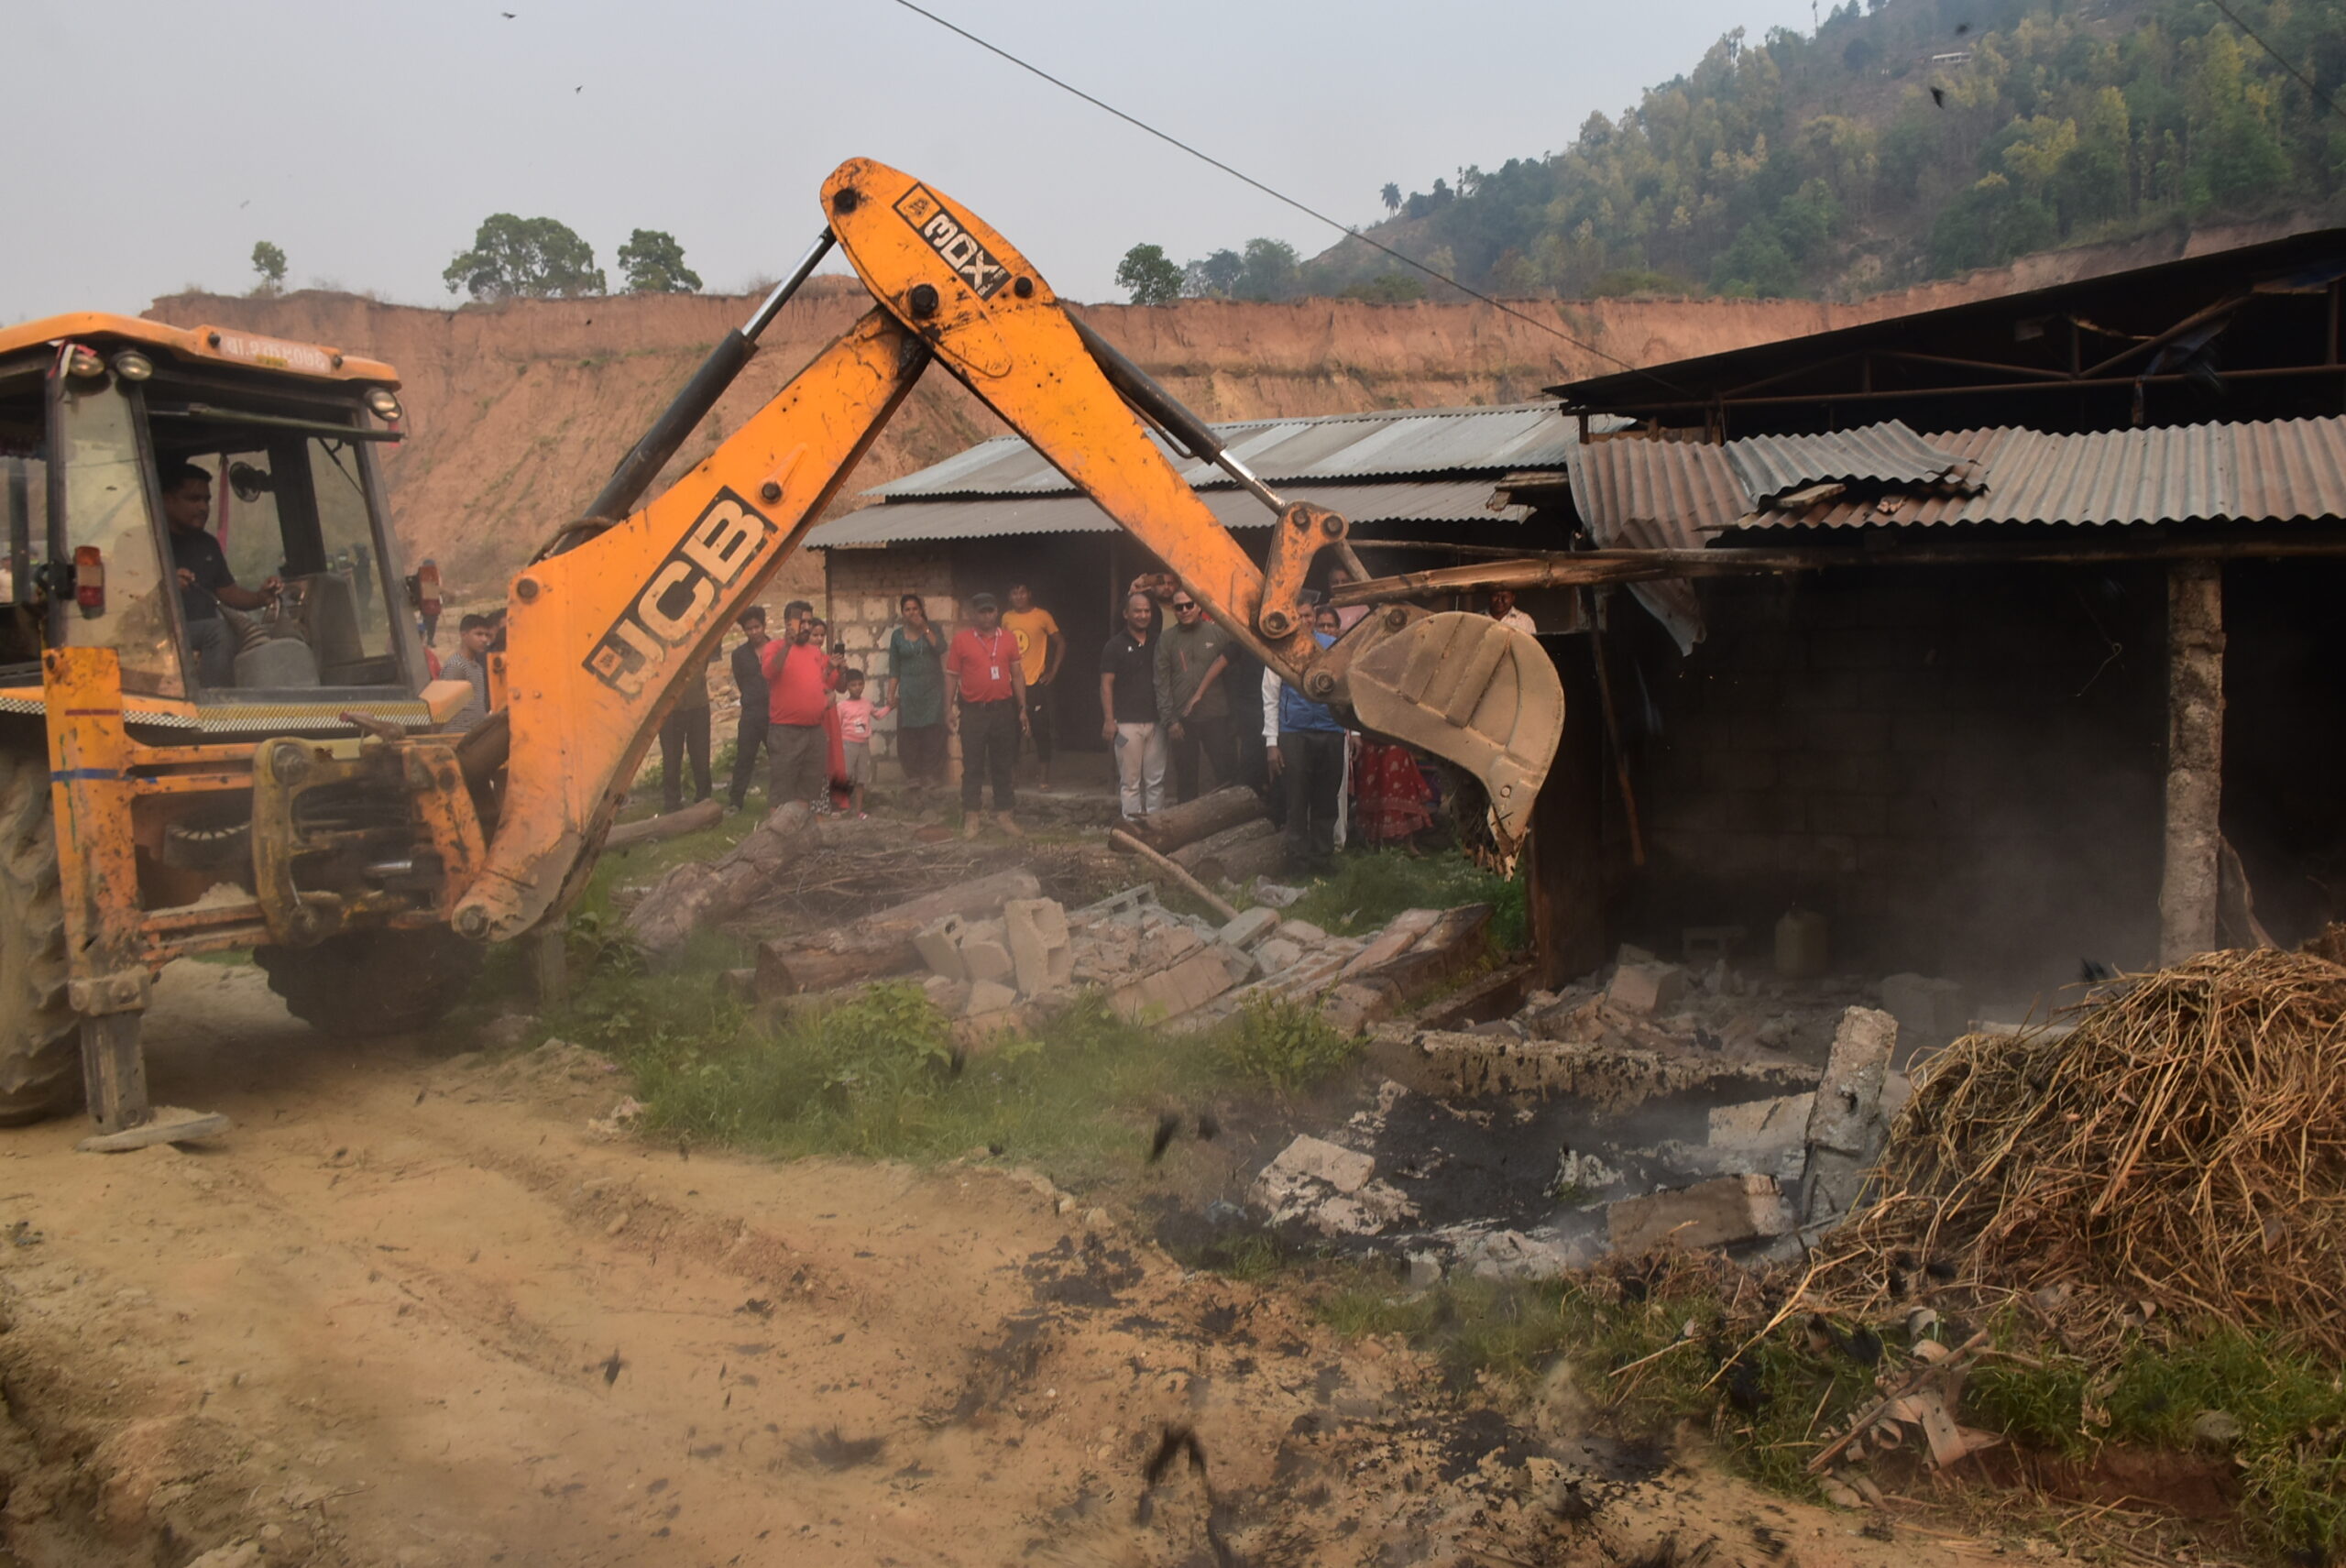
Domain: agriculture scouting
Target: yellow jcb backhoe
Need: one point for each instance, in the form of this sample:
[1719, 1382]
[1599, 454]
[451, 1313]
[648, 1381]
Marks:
[168, 787]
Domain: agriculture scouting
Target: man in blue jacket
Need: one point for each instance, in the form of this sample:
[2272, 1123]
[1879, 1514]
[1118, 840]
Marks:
[1307, 752]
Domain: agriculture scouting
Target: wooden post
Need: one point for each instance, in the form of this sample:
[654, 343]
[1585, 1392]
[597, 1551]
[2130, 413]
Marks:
[2195, 759]
[550, 963]
[1566, 872]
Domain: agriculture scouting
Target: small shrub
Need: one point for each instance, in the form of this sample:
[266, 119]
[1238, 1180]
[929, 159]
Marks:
[1283, 1043]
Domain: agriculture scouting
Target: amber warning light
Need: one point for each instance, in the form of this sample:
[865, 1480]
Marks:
[90, 579]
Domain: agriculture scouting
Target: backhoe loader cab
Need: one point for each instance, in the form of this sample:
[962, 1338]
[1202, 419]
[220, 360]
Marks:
[199, 562]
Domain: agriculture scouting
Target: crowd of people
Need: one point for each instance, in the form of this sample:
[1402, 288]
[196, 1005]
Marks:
[1183, 708]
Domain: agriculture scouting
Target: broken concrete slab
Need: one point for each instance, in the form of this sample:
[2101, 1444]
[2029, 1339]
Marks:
[1042, 955]
[1250, 926]
[1931, 1012]
[1645, 989]
[1761, 1126]
[950, 997]
[1279, 954]
[1519, 1255]
[1719, 1212]
[1351, 1008]
[1302, 933]
[1849, 1098]
[1611, 1074]
[988, 996]
[940, 945]
[985, 951]
[1346, 1170]
[1845, 1124]
[1183, 987]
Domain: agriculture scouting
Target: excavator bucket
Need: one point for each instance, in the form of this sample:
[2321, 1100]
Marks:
[1481, 694]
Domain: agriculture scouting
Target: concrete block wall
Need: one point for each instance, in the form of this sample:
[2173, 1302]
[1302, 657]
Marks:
[1962, 770]
[861, 591]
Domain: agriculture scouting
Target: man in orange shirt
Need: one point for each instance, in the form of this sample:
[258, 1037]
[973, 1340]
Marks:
[798, 688]
[1040, 650]
[986, 701]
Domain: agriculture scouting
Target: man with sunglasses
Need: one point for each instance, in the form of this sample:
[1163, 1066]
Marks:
[1192, 655]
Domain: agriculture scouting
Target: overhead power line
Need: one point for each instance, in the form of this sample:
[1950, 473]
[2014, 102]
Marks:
[2324, 99]
[1276, 195]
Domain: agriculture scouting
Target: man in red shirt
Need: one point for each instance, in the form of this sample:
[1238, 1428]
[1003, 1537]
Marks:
[798, 688]
[986, 700]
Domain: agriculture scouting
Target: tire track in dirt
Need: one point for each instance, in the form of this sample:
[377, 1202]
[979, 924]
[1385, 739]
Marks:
[415, 1312]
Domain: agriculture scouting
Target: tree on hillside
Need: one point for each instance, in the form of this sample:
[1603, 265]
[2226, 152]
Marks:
[1151, 275]
[536, 258]
[269, 262]
[1270, 271]
[653, 263]
[1214, 278]
[1390, 196]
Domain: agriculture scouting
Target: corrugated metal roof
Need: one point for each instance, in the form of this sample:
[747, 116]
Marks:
[1335, 446]
[1452, 500]
[1773, 466]
[1640, 494]
[2283, 471]
[1637, 493]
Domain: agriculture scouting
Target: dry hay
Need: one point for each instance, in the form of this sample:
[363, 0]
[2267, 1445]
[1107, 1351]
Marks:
[2183, 1149]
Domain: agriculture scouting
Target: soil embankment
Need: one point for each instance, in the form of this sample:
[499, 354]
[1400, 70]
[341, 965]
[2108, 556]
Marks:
[517, 412]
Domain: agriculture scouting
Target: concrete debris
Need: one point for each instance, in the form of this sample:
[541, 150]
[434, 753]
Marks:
[1519, 1255]
[1611, 1074]
[1251, 927]
[1931, 1012]
[1042, 955]
[1645, 989]
[1425, 1270]
[988, 996]
[1761, 1126]
[940, 945]
[1169, 992]
[950, 997]
[1303, 933]
[1844, 1126]
[1328, 1187]
[1278, 954]
[985, 951]
[1277, 895]
[1719, 1212]
[1581, 1175]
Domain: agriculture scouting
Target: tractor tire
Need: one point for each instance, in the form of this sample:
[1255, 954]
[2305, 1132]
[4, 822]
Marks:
[40, 1055]
[364, 984]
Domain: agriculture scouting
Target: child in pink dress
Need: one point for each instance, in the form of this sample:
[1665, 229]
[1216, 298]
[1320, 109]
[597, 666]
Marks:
[855, 716]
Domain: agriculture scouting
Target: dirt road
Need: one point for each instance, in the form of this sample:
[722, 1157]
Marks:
[415, 1310]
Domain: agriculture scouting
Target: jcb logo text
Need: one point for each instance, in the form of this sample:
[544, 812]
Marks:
[674, 606]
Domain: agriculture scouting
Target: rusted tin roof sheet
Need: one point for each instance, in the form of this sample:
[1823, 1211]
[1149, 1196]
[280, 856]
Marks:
[1772, 466]
[1635, 492]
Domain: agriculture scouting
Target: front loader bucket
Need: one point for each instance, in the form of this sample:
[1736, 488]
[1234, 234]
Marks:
[1466, 688]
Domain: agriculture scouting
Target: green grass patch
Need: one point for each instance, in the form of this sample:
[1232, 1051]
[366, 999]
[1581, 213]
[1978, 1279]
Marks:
[1283, 1043]
[1654, 1352]
[1369, 887]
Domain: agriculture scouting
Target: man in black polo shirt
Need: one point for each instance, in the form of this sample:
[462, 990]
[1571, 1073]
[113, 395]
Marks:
[1128, 708]
[205, 581]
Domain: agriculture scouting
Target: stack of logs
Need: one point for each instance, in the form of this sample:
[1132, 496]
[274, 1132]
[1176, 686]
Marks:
[1220, 838]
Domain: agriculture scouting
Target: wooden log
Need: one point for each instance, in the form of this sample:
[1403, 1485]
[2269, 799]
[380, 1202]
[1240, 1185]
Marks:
[1196, 858]
[1125, 840]
[1166, 830]
[1241, 863]
[878, 944]
[698, 894]
[668, 825]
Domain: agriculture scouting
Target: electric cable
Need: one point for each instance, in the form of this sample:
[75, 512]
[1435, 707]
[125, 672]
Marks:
[1281, 196]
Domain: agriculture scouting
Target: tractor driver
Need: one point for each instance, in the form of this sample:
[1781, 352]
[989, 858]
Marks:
[205, 581]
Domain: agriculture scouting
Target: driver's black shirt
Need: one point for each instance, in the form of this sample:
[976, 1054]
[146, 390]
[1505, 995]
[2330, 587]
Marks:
[195, 550]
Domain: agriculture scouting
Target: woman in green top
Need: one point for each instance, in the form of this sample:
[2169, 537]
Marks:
[917, 691]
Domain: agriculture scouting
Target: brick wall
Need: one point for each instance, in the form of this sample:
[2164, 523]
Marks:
[1963, 770]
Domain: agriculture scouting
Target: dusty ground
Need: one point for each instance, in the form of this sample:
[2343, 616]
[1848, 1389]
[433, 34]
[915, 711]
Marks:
[414, 1311]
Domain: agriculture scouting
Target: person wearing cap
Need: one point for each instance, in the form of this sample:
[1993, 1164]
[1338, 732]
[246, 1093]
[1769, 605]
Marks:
[986, 702]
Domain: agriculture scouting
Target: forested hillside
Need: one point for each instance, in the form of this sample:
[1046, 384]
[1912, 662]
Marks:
[1904, 140]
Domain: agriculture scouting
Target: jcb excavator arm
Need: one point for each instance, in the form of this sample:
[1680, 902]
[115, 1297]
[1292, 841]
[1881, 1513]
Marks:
[603, 634]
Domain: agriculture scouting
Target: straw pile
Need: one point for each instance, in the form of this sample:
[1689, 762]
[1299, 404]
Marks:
[2183, 1149]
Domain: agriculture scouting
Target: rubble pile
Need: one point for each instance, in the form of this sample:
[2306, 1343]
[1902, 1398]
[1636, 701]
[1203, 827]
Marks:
[1646, 1107]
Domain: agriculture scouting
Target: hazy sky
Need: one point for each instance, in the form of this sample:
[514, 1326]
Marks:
[368, 140]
